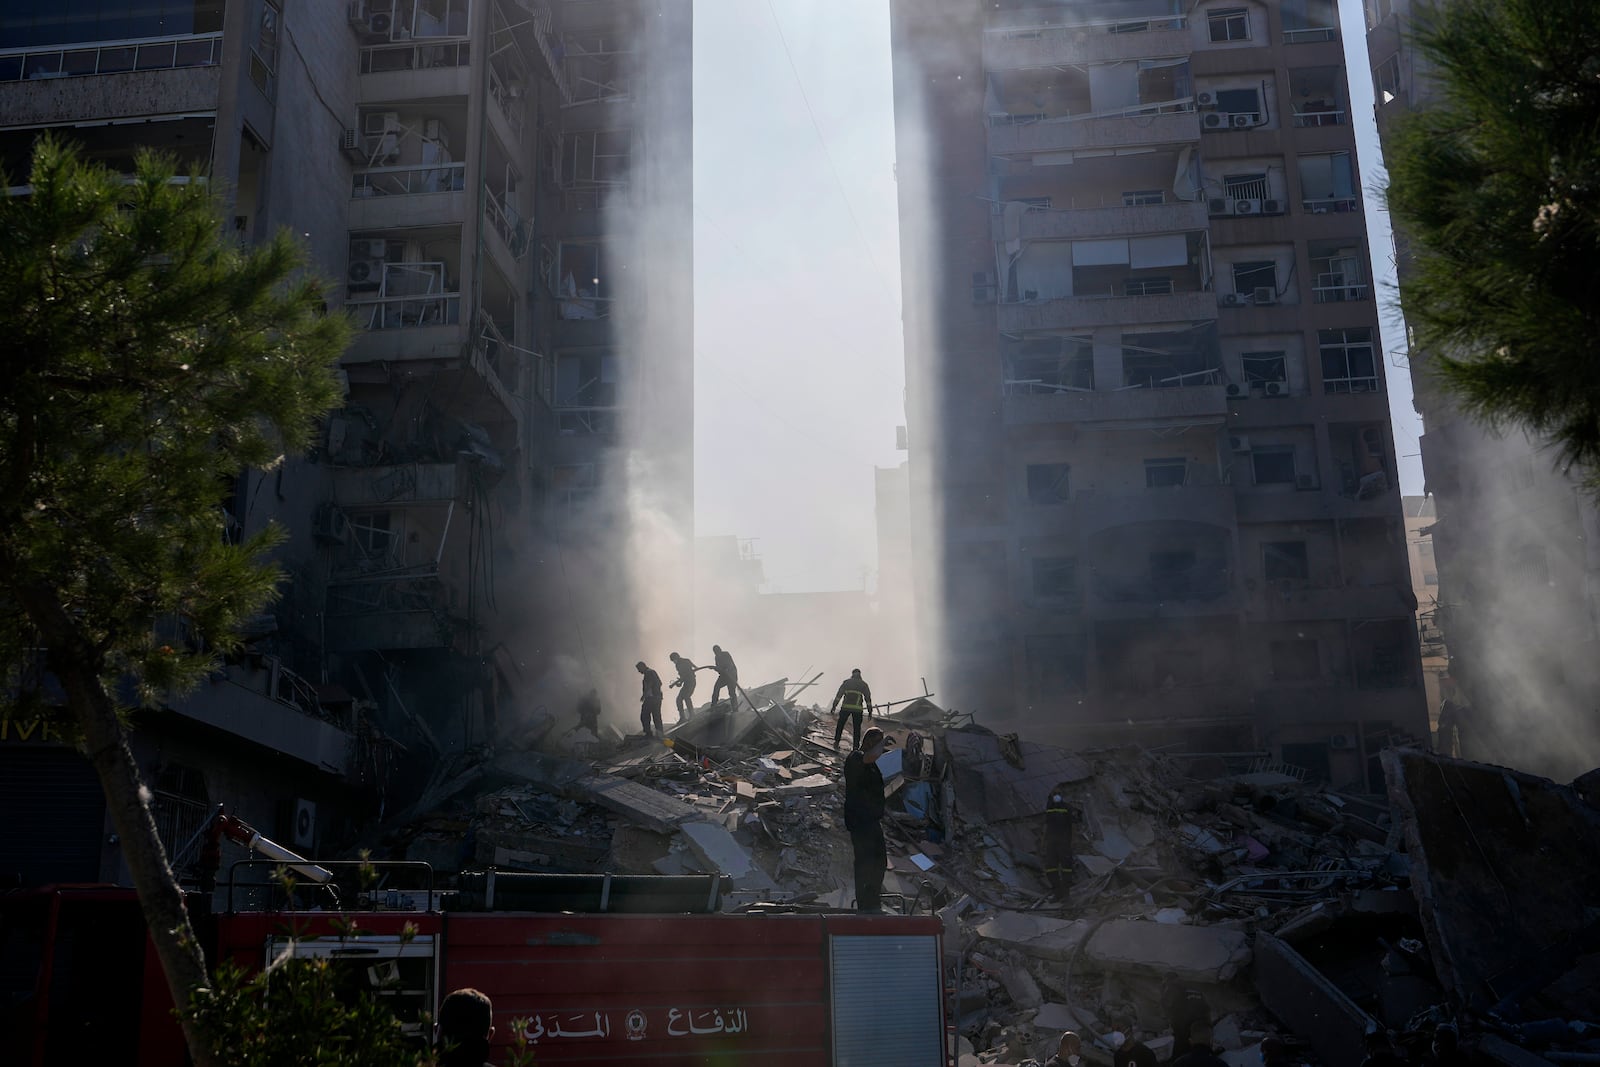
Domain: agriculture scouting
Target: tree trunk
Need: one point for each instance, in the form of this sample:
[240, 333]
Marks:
[74, 661]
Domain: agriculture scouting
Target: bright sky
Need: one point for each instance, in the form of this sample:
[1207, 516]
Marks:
[798, 373]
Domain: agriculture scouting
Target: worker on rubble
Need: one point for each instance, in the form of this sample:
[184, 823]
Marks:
[727, 675]
[1200, 1053]
[856, 695]
[465, 1026]
[1126, 1048]
[1059, 861]
[1185, 1007]
[863, 817]
[650, 700]
[589, 712]
[686, 677]
[1069, 1051]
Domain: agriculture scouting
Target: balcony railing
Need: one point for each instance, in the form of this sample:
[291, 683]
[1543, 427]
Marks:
[406, 312]
[1077, 29]
[1336, 288]
[507, 97]
[1189, 379]
[1325, 205]
[1361, 383]
[1320, 117]
[1030, 118]
[1255, 189]
[504, 219]
[1308, 34]
[111, 57]
[584, 421]
[384, 58]
[408, 181]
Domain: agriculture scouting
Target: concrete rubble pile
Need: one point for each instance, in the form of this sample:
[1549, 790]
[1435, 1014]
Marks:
[1292, 909]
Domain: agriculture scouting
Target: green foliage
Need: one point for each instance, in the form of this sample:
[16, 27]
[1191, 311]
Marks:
[1498, 185]
[145, 361]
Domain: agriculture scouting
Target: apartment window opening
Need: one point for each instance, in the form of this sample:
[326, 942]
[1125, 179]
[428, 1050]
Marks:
[1246, 186]
[1240, 102]
[1285, 561]
[1264, 368]
[1349, 363]
[1166, 472]
[1272, 466]
[1048, 483]
[1253, 275]
[1228, 24]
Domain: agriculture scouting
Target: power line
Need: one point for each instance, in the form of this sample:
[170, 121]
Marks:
[832, 167]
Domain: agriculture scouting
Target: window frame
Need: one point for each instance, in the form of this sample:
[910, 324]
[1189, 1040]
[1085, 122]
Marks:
[1341, 349]
[1272, 453]
[1166, 465]
[1272, 551]
[1226, 18]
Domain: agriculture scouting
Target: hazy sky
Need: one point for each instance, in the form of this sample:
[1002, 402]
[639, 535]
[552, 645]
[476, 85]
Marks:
[798, 373]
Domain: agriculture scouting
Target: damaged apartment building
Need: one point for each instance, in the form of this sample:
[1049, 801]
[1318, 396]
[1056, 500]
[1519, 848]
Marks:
[467, 174]
[1516, 539]
[1152, 470]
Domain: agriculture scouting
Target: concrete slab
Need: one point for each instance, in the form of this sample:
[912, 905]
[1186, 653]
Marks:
[1056, 1017]
[1039, 936]
[717, 848]
[811, 783]
[1021, 987]
[1189, 953]
[637, 803]
[1000, 790]
[1308, 1003]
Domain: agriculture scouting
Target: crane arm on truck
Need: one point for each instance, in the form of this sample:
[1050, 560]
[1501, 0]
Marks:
[242, 833]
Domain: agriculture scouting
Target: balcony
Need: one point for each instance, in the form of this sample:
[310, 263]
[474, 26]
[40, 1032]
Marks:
[272, 707]
[389, 198]
[1288, 600]
[87, 83]
[389, 612]
[1083, 311]
[1210, 505]
[111, 57]
[408, 483]
[410, 71]
[1206, 399]
[1104, 221]
[1138, 596]
[1164, 123]
[1022, 46]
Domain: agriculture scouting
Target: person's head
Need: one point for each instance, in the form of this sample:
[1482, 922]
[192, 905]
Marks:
[640, 667]
[1071, 1047]
[874, 744]
[674, 657]
[856, 673]
[466, 1021]
[716, 648]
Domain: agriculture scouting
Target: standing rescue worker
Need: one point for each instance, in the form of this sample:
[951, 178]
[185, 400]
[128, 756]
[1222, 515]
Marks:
[686, 672]
[856, 696]
[727, 675]
[1058, 857]
[863, 817]
[649, 700]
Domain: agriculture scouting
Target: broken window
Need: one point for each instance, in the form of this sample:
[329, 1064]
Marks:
[370, 533]
[1228, 24]
[1386, 79]
[596, 157]
[1260, 368]
[1240, 102]
[587, 392]
[582, 287]
[1296, 660]
[1050, 365]
[1055, 664]
[1349, 364]
[1337, 268]
[1055, 578]
[1272, 466]
[1162, 473]
[1328, 183]
[1245, 186]
[1284, 561]
[1255, 275]
[1383, 654]
[1048, 483]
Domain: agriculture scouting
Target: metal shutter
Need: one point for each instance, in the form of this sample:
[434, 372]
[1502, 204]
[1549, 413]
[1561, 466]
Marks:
[886, 1002]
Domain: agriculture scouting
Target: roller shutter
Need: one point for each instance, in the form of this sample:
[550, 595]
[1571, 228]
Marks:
[51, 815]
[887, 1008]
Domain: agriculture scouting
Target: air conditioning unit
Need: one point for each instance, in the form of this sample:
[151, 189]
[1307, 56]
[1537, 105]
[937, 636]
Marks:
[1242, 121]
[1341, 742]
[1272, 207]
[350, 141]
[378, 123]
[1264, 294]
[1232, 300]
[379, 23]
[1206, 99]
[1305, 481]
[982, 287]
[433, 130]
[357, 12]
[1247, 206]
[366, 273]
[329, 525]
[1219, 205]
[1214, 120]
[304, 830]
[1276, 389]
[1238, 391]
[1238, 442]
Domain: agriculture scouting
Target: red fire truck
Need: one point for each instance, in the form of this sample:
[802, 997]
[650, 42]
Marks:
[601, 969]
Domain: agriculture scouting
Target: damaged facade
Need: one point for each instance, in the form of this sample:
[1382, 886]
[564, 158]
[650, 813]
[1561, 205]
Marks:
[1154, 484]
[1516, 540]
[472, 175]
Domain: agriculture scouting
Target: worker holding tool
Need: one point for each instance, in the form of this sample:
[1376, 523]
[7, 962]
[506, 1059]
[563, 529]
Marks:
[650, 700]
[856, 697]
[727, 675]
[686, 673]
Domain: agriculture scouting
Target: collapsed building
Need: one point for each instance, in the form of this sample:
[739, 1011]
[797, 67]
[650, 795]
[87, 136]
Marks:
[1153, 484]
[477, 180]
